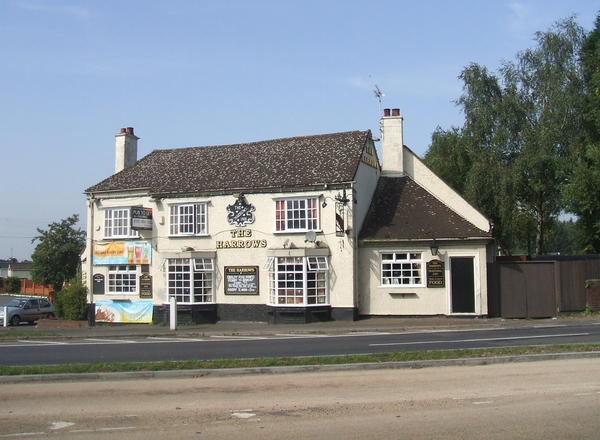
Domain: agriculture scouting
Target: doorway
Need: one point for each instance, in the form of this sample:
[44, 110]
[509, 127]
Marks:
[462, 280]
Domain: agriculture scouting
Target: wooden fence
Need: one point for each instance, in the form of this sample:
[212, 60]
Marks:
[540, 288]
[28, 287]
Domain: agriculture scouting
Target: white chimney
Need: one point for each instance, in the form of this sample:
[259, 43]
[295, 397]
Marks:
[392, 143]
[126, 149]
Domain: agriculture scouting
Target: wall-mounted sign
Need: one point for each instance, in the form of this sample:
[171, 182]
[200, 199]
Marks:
[436, 276]
[141, 218]
[122, 252]
[241, 244]
[241, 280]
[98, 284]
[145, 286]
[240, 213]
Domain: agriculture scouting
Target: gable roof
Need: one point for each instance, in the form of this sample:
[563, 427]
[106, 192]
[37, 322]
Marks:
[278, 163]
[402, 210]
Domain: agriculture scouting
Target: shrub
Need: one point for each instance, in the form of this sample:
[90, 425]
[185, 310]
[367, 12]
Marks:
[71, 301]
[13, 284]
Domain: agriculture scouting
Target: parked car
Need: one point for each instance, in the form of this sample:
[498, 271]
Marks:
[26, 309]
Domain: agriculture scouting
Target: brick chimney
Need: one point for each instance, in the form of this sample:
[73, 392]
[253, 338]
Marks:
[392, 143]
[126, 149]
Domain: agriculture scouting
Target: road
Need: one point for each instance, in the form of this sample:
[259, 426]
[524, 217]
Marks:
[535, 400]
[34, 351]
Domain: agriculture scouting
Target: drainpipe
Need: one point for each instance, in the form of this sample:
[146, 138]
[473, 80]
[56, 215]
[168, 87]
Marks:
[90, 272]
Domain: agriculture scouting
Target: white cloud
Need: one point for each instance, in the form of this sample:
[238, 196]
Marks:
[520, 15]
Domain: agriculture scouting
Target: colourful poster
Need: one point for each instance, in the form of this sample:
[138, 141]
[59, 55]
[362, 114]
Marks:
[122, 252]
[124, 311]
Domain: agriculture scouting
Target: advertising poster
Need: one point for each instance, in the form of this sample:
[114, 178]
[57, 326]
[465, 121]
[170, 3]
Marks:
[124, 311]
[122, 252]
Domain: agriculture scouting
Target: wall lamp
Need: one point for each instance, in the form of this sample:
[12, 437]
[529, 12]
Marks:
[434, 247]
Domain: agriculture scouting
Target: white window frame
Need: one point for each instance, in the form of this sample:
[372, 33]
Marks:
[297, 214]
[298, 281]
[401, 269]
[117, 223]
[122, 279]
[190, 280]
[187, 219]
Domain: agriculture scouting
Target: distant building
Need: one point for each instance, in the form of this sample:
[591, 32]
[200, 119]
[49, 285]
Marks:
[20, 270]
[296, 230]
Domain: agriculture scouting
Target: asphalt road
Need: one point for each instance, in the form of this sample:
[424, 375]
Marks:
[537, 400]
[48, 352]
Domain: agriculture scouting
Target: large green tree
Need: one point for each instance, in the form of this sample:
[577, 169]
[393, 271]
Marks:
[521, 125]
[583, 191]
[56, 256]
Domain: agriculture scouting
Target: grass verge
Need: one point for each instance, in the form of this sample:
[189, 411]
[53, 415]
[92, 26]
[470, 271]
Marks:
[392, 356]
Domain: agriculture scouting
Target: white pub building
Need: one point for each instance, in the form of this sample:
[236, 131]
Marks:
[286, 230]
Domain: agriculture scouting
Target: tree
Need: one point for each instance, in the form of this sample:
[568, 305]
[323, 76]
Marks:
[56, 257]
[582, 195]
[521, 127]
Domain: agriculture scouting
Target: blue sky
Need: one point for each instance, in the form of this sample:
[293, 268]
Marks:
[186, 73]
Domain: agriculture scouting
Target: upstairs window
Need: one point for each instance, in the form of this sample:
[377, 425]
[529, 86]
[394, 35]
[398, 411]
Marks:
[117, 223]
[187, 219]
[402, 268]
[296, 214]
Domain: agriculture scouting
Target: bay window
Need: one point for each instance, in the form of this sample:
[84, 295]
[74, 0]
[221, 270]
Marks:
[298, 281]
[190, 280]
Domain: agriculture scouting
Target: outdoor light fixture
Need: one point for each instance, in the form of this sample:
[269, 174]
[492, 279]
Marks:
[434, 247]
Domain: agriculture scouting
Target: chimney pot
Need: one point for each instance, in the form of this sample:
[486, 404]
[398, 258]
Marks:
[386, 112]
[130, 130]
[396, 112]
[123, 130]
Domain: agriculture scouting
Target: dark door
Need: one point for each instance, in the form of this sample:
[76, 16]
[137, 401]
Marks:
[463, 284]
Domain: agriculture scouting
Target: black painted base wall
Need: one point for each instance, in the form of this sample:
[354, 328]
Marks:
[211, 313]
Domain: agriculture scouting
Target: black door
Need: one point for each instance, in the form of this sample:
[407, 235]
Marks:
[463, 284]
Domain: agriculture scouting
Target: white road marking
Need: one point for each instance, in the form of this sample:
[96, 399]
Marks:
[61, 425]
[110, 341]
[33, 341]
[480, 340]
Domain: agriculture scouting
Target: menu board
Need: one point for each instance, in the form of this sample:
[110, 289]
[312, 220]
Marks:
[435, 274]
[241, 280]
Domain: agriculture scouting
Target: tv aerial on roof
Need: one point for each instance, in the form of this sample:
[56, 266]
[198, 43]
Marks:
[379, 94]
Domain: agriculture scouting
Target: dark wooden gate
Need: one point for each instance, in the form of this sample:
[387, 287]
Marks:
[523, 289]
[540, 288]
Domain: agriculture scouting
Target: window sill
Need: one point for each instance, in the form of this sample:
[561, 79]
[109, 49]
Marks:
[298, 231]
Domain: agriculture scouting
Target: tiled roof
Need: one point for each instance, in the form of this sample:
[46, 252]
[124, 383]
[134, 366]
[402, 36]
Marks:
[403, 210]
[278, 163]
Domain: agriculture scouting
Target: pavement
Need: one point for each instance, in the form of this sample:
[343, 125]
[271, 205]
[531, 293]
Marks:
[80, 329]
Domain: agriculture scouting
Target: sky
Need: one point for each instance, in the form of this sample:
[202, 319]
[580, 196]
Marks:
[217, 72]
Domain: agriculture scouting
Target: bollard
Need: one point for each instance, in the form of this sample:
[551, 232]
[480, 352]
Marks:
[5, 316]
[173, 313]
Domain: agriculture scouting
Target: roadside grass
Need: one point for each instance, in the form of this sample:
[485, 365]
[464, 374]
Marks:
[392, 356]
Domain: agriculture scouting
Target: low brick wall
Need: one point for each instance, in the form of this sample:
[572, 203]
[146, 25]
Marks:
[592, 290]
